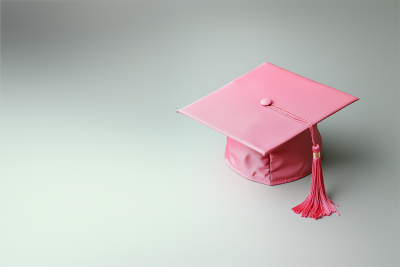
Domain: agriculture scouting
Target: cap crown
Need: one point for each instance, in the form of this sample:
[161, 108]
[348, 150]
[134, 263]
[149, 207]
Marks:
[235, 109]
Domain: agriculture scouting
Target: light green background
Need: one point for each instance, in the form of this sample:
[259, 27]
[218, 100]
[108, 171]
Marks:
[98, 169]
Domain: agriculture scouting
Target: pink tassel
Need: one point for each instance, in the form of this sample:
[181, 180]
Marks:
[317, 204]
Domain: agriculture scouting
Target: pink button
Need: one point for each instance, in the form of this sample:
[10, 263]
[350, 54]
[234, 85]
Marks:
[266, 102]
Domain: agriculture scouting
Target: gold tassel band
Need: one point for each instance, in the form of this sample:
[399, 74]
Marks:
[317, 155]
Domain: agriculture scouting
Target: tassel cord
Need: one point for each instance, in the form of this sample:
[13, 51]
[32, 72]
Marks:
[296, 118]
[317, 204]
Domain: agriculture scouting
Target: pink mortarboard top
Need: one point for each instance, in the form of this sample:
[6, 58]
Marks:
[266, 114]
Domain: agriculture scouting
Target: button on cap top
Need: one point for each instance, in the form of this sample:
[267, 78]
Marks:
[266, 102]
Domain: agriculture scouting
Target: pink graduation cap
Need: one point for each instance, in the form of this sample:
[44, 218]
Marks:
[270, 117]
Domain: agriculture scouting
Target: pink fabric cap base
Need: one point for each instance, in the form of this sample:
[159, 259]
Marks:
[289, 162]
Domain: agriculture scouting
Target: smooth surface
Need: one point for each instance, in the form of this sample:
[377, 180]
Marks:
[266, 102]
[98, 169]
[233, 109]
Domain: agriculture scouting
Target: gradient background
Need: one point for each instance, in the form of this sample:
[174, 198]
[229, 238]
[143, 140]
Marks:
[98, 169]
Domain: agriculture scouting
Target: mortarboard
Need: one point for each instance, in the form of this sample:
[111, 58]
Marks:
[270, 117]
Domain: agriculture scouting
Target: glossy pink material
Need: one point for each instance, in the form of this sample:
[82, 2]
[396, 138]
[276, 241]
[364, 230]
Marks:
[316, 149]
[235, 111]
[289, 162]
[266, 102]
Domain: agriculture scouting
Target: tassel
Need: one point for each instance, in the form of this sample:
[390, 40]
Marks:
[317, 204]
